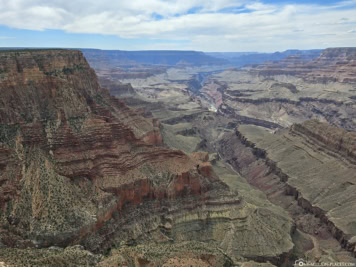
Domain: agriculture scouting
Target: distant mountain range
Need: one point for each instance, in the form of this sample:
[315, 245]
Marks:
[101, 58]
[98, 57]
[106, 58]
[239, 59]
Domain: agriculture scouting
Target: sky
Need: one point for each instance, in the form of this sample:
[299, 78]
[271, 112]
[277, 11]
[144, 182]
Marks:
[202, 25]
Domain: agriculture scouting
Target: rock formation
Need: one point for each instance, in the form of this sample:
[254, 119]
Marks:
[290, 91]
[333, 65]
[78, 167]
[309, 167]
[279, 165]
[117, 88]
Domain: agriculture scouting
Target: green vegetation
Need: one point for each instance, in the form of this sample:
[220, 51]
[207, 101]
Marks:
[78, 67]
[99, 99]
[65, 70]
[76, 123]
[52, 73]
[27, 116]
[54, 256]
[8, 132]
[46, 112]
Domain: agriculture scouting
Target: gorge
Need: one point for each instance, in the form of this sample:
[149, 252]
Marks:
[127, 164]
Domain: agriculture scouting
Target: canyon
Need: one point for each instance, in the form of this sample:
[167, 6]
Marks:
[290, 91]
[143, 163]
[83, 174]
[208, 119]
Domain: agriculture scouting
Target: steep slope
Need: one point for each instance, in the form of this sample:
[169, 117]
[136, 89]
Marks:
[309, 169]
[77, 166]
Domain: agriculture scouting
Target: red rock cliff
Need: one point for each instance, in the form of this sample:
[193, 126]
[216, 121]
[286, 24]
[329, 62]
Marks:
[72, 156]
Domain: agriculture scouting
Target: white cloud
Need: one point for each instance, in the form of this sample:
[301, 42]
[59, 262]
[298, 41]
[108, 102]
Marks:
[265, 27]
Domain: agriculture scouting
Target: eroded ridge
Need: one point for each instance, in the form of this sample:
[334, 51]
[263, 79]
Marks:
[313, 162]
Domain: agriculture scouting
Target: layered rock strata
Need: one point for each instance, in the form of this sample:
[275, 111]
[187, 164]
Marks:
[77, 166]
[313, 162]
[290, 91]
[333, 65]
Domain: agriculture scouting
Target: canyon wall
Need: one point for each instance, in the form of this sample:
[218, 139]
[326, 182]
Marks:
[313, 162]
[77, 166]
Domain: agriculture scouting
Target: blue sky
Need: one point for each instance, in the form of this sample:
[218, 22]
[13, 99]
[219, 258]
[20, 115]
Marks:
[204, 25]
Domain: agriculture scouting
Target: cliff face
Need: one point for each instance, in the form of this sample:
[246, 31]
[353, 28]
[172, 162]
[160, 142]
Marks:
[335, 64]
[310, 168]
[117, 88]
[77, 166]
[68, 149]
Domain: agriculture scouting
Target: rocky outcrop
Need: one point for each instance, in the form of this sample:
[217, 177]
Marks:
[117, 88]
[77, 166]
[228, 111]
[110, 76]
